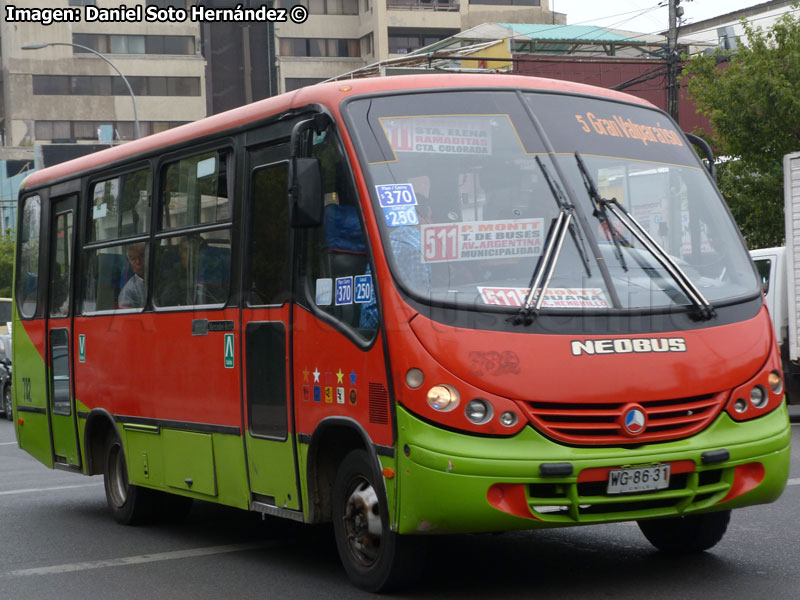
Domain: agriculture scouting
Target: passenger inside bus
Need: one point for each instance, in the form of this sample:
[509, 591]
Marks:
[173, 269]
[406, 245]
[134, 292]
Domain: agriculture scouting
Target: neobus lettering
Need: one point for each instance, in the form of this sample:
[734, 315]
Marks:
[628, 345]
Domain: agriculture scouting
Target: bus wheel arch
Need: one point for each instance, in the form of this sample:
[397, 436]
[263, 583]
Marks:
[375, 557]
[331, 442]
[99, 426]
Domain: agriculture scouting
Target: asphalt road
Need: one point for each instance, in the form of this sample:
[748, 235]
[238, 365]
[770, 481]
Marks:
[57, 541]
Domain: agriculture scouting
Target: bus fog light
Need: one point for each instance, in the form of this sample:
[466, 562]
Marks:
[414, 378]
[443, 397]
[775, 382]
[508, 419]
[478, 411]
[758, 397]
[740, 405]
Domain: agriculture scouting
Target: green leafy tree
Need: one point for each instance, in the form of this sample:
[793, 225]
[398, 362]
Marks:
[752, 98]
[6, 263]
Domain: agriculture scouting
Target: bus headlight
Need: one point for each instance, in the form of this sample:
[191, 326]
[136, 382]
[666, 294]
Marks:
[443, 397]
[478, 411]
[414, 378]
[508, 419]
[758, 397]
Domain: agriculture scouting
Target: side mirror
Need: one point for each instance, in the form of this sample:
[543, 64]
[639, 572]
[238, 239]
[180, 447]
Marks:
[305, 192]
[709, 153]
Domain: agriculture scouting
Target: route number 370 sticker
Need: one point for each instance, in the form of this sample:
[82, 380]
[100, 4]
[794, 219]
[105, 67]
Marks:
[397, 203]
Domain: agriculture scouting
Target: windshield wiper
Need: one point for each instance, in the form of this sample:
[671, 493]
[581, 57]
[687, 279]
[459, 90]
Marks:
[552, 250]
[545, 267]
[599, 212]
[561, 200]
[704, 308]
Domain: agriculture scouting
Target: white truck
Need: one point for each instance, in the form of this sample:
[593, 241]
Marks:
[779, 269]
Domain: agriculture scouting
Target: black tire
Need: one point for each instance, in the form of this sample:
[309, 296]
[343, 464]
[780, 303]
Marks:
[129, 504]
[683, 535]
[8, 408]
[375, 558]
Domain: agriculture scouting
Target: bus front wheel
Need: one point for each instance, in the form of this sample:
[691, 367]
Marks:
[129, 504]
[693, 533]
[374, 557]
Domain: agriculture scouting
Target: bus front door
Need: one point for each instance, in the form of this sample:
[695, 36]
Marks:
[271, 450]
[61, 405]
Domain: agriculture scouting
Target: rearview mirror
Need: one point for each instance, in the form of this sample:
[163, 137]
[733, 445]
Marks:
[305, 192]
[709, 153]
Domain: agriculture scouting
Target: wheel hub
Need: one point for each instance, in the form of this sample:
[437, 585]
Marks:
[362, 522]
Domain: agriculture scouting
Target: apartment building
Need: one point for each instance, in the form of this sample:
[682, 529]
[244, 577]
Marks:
[63, 93]
[344, 35]
[726, 29]
[60, 101]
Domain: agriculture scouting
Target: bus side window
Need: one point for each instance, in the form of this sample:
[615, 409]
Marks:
[336, 251]
[193, 267]
[115, 274]
[28, 267]
[268, 265]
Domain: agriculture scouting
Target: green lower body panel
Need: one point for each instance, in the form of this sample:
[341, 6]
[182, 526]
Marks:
[201, 465]
[450, 482]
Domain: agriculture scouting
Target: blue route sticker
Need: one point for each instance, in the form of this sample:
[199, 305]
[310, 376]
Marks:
[396, 194]
[363, 284]
[344, 291]
[399, 216]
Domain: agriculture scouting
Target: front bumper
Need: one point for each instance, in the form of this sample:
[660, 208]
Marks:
[451, 482]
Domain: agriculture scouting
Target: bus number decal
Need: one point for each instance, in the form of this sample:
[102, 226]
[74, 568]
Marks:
[363, 285]
[344, 290]
[440, 242]
[399, 216]
[396, 194]
[398, 201]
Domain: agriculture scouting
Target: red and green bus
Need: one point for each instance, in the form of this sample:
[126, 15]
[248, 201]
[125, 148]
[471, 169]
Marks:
[408, 306]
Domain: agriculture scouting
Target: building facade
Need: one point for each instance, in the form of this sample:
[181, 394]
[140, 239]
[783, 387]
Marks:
[65, 93]
[726, 30]
[344, 35]
[59, 101]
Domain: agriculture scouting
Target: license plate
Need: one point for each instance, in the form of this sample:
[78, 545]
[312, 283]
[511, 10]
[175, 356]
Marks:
[641, 479]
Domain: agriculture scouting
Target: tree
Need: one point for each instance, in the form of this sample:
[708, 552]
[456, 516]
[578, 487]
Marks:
[752, 98]
[6, 263]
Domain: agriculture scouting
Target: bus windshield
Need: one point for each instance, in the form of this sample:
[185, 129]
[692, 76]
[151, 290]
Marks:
[467, 187]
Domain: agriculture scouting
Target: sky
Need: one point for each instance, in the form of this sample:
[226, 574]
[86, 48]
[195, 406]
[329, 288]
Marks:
[643, 16]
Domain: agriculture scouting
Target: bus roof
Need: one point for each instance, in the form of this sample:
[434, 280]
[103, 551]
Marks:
[328, 94]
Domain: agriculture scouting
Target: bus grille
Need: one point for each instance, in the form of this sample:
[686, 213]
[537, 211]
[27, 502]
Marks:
[602, 423]
[588, 502]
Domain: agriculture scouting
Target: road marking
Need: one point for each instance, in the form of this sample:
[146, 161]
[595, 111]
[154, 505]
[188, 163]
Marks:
[7, 443]
[136, 560]
[48, 489]
[793, 481]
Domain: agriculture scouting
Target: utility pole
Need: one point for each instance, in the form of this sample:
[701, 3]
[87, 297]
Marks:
[675, 13]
